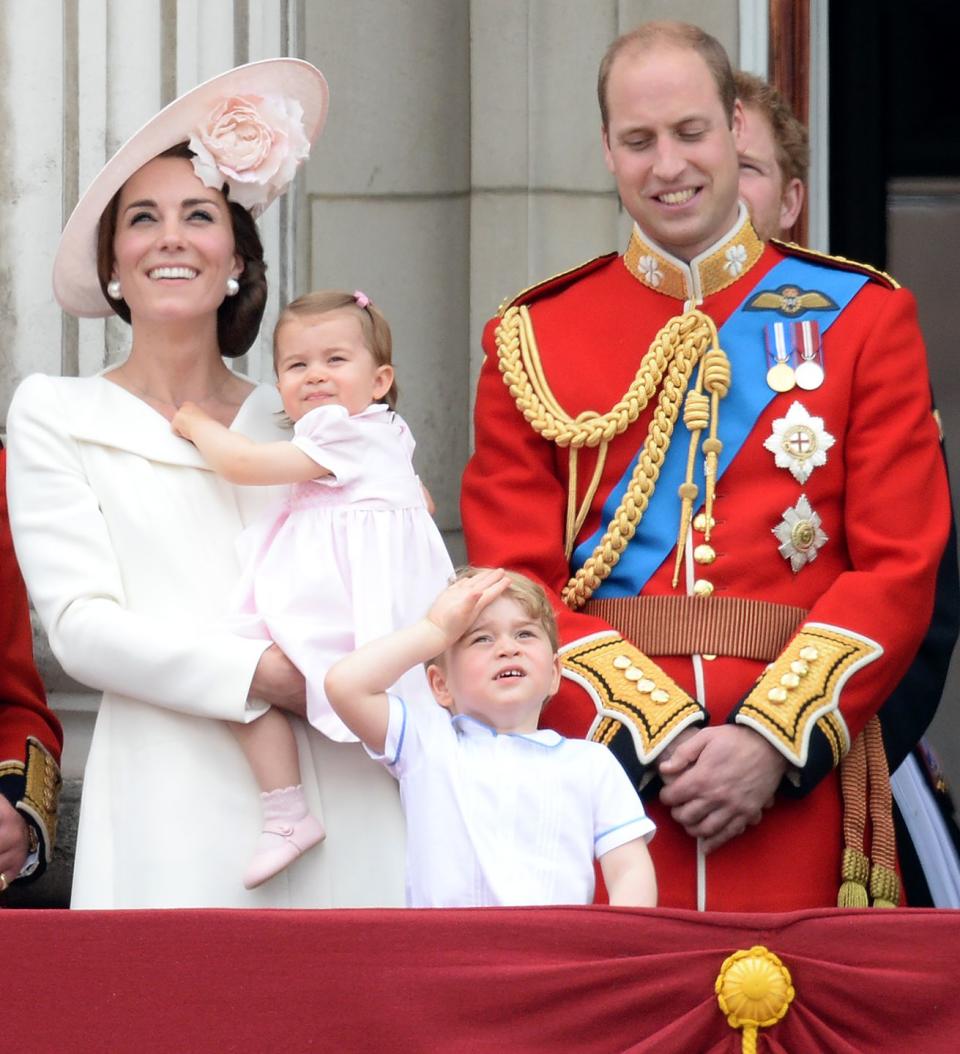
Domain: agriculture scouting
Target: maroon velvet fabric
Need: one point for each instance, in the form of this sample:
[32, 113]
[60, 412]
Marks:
[500, 980]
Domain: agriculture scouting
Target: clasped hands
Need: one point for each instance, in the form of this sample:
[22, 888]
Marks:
[13, 841]
[718, 780]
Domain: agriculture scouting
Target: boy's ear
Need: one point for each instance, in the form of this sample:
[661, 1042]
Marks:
[555, 681]
[437, 679]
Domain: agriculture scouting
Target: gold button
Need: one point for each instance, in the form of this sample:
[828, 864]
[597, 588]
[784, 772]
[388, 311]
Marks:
[809, 653]
[702, 588]
[645, 685]
[799, 667]
[777, 695]
[633, 674]
[659, 696]
[709, 658]
[803, 535]
[622, 662]
[700, 522]
[789, 680]
[704, 554]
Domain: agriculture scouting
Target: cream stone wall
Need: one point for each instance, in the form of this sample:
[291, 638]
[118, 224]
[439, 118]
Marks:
[461, 162]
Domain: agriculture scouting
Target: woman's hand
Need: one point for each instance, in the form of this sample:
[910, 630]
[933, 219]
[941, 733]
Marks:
[278, 682]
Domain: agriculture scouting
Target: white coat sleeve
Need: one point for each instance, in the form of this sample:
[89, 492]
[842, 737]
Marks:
[63, 546]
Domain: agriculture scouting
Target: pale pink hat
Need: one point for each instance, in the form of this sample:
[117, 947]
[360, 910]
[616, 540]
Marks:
[250, 127]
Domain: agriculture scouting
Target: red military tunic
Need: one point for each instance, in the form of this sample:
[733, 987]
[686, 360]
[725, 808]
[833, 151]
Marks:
[30, 734]
[862, 602]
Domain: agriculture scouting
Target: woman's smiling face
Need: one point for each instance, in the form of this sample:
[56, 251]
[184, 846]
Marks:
[174, 246]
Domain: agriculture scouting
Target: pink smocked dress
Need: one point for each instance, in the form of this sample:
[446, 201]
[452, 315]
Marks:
[348, 557]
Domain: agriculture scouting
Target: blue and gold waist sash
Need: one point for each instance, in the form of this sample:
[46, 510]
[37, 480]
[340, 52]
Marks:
[742, 338]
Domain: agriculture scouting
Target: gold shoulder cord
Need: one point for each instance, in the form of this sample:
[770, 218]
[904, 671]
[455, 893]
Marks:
[670, 362]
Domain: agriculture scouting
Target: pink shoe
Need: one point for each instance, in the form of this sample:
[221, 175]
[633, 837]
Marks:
[289, 830]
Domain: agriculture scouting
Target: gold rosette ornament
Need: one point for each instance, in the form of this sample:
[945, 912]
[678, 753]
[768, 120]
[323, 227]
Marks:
[754, 991]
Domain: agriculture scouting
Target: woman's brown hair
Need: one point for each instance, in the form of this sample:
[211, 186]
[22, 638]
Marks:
[238, 317]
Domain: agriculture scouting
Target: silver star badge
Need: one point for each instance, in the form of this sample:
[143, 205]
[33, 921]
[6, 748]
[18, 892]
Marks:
[800, 535]
[799, 442]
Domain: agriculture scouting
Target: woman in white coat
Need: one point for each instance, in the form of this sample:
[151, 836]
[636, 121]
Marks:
[126, 538]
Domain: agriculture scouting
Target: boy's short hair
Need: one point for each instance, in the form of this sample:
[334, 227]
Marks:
[527, 593]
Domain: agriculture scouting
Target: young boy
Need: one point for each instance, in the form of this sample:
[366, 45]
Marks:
[497, 811]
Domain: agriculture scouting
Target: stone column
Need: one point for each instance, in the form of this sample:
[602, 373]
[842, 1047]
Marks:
[389, 204]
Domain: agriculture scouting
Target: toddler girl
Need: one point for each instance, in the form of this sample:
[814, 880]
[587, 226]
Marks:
[352, 554]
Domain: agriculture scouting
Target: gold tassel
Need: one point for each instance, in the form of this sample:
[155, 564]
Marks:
[854, 872]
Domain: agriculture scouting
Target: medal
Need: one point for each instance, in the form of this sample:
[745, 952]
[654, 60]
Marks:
[809, 372]
[809, 375]
[800, 535]
[799, 442]
[780, 375]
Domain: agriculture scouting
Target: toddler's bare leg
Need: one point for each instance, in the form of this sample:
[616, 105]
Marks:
[271, 750]
[289, 828]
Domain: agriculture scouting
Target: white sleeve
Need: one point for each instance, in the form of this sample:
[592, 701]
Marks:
[64, 549]
[402, 746]
[618, 815]
[335, 441]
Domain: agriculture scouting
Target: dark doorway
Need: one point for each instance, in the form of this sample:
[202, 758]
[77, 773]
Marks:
[895, 196]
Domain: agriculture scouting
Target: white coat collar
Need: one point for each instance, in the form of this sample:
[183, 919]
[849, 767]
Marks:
[103, 413]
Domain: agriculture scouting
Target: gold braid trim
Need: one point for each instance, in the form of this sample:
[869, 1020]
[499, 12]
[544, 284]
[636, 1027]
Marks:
[865, 787]
[854, 864]
[42, 793]
[845, 264]
[629, 688]
[803, 686]
[668, 365]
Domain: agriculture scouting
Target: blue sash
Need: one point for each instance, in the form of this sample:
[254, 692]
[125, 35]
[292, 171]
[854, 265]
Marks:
[742, 338]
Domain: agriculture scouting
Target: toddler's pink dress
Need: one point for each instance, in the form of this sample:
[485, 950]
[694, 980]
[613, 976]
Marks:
[347, 558]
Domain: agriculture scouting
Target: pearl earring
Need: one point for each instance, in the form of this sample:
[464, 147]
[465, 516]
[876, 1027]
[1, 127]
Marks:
[113, 289]
[233, 286]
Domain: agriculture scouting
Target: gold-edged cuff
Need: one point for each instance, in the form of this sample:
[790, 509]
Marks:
[628, 687]
[41, 795]
[800, 691]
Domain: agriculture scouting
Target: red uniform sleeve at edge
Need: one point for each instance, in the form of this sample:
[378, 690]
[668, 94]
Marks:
[23, 707]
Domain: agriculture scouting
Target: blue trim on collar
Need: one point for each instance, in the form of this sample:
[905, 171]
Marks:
[466, 725]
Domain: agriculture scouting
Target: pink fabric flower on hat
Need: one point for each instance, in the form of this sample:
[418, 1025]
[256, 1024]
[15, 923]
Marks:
[254, 144]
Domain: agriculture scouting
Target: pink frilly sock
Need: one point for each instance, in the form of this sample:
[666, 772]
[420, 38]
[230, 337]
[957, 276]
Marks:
[289, 830]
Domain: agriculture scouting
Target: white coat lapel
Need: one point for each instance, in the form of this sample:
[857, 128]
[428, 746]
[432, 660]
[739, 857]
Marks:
[108, 415]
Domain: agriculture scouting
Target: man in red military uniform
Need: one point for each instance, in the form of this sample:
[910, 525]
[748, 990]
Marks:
[720, 455]
[30, 735]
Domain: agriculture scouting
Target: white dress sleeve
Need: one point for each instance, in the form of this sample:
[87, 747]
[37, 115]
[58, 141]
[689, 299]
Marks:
[336, 441]
[64, 548]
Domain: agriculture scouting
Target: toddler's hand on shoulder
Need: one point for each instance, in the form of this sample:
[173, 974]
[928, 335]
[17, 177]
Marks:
[459, 605]
[184, 419]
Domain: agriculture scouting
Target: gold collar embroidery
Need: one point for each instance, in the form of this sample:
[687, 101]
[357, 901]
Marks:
[714, 269]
